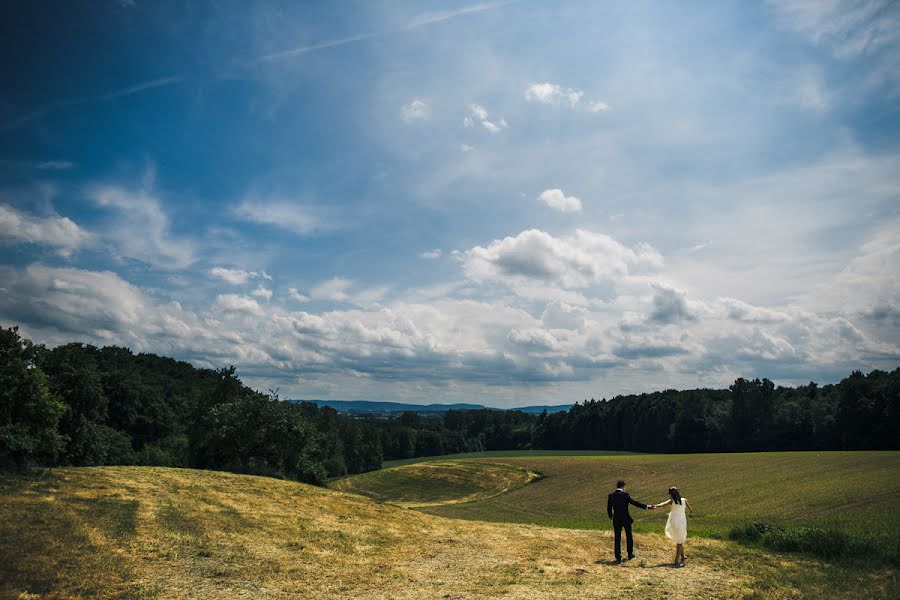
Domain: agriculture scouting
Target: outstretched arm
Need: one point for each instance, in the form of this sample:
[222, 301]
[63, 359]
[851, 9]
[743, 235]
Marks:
[688, 505]
[609, 506]
[661, 504]
[636, 503]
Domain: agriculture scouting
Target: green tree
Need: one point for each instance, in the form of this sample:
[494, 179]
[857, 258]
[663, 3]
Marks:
[29, 412]
[74, 378]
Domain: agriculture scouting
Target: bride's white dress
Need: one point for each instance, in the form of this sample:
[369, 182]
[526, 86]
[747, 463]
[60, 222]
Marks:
[676, 526]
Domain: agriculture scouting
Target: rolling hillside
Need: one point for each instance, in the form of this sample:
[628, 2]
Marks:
[855, 491]
[146, 532]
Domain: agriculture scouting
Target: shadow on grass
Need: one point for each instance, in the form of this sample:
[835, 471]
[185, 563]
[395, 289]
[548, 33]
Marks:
[47, 544]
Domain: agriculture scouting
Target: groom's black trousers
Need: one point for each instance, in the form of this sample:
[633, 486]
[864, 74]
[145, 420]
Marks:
[629, 541]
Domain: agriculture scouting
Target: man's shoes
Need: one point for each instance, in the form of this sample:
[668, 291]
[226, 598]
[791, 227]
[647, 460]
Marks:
[618, 560]
[631, 557]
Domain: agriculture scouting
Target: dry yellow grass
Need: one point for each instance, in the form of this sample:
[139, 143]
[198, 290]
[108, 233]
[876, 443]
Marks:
[138, 532]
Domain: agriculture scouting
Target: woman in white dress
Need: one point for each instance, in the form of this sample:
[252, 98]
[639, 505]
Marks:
[676, 526]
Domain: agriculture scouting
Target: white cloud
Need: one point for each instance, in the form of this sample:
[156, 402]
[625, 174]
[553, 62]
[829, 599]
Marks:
[555, 198]
[478, 115]
[140, 228]
[534, 338]
[435, 340]
[296, 295]
[99, 304]
[436, 253]
[262, 292]
[580, 260]
[414, 110]
[237, 303]
[552, 93]
[560, 315]
[333, 289]
[237, 276]
[292, 217]
[60, 233]
[598, 106]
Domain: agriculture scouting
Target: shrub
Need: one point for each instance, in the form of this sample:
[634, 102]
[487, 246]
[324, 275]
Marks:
[817, 541]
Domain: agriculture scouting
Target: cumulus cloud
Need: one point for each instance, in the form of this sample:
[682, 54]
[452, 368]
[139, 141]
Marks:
[289, 216]
[555, 198]
[535, 338]
[98, 304]
[60, 233]
[237, 276]
[414, 110]
[741, 311]
[296, 295]
[262, 292]
[436, 253]
[575, 261]
[478, 115]
[334, 289]
[237, 303]
[560, 315]
[670, 305]
[140, 228]
[497, 343]
[552, 93]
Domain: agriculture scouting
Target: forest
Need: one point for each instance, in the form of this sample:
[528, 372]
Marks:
[76, 404]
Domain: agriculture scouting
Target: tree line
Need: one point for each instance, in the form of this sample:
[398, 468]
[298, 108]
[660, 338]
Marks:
[862, 412]
[81, 405]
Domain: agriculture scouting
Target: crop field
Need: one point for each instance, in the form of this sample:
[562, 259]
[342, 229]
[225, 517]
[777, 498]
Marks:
[146, 532]
[853, 491]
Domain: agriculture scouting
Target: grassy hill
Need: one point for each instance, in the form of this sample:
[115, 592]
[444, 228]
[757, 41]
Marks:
[144, 532]
[853, 491]
[437, 483]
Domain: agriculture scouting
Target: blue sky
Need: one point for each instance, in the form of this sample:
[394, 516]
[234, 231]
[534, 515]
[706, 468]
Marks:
[504, 202]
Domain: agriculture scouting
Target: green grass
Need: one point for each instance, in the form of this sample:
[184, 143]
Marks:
[848, 491]
[388, 464]
[437, 482]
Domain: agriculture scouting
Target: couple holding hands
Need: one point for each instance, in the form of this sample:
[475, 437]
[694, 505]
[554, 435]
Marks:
[676, 526]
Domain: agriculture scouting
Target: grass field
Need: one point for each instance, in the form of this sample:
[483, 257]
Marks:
[439, 482]
[503, 454]
[852, 491]
[142, 532]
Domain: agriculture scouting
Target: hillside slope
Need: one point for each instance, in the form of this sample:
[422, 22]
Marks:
[437, 483]
[142, 532]
[852, 491]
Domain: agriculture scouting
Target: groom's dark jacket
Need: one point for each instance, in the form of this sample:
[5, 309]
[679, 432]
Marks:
[617, 506]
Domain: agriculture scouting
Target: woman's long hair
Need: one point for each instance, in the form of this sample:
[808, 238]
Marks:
[676, 496]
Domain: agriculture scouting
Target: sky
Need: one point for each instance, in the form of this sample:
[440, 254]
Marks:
[509, 203]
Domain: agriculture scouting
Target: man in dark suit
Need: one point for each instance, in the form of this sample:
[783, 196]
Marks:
[617, 507]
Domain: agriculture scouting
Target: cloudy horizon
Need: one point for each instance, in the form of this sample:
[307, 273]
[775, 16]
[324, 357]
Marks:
[505, 203]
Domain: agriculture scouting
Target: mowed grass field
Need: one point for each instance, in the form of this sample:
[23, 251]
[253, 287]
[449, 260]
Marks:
[142, 532]
[857, 492]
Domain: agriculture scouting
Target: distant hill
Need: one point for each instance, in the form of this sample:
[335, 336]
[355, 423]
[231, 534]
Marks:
[366, 406]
